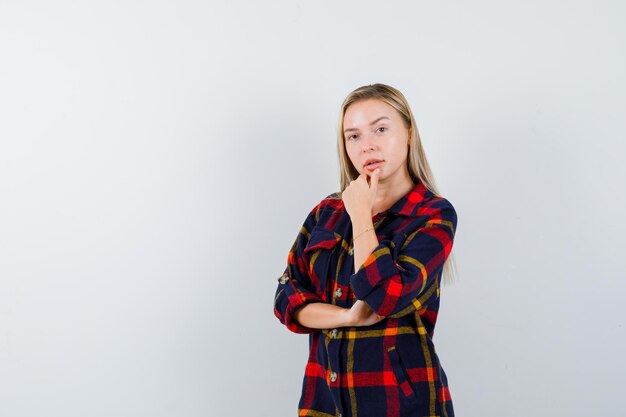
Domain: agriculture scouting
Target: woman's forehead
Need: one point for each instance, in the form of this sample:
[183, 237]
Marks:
[367, 112]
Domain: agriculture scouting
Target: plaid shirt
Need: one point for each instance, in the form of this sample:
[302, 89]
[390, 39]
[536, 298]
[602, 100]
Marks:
[389, 369]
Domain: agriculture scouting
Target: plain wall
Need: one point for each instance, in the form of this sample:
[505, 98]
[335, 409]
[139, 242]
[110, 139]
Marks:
[157, 160]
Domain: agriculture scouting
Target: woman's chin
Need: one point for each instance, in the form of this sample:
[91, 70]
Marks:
[370, 173]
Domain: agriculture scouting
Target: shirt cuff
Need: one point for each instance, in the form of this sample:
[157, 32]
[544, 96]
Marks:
[377, 281]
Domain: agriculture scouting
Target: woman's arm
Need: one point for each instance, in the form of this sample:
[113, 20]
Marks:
[398, 282]
[328, 316]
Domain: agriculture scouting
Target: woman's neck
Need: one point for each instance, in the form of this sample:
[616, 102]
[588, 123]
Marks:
[390, 191]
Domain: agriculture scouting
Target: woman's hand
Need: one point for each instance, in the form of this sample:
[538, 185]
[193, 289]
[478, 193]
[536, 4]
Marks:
[360, 195]
[362, 315]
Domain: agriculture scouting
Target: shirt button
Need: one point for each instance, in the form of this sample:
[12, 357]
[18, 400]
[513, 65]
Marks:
[333, 376]
[333, 333]
[351, 251]
[283, 280]
[338, 293]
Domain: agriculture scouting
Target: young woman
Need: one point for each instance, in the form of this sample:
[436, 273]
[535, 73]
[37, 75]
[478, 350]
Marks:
[363, 276]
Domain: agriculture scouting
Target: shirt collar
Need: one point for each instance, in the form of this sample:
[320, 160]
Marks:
[410, 203]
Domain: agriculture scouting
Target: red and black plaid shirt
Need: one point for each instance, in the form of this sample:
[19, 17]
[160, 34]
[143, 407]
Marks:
[389, 369]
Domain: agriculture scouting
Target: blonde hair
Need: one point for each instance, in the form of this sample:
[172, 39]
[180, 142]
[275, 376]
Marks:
[419, 169]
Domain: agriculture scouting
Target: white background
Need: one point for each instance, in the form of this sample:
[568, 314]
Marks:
[158, 158]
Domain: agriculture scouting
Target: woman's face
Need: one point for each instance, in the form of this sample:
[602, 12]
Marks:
[375, 137]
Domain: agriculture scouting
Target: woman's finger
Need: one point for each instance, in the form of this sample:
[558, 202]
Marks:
[374, 181]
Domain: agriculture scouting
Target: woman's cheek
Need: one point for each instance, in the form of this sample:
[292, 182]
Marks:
[356, 166]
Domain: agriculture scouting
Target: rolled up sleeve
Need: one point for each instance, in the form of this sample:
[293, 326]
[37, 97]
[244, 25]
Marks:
[294, 289]
[394, 286]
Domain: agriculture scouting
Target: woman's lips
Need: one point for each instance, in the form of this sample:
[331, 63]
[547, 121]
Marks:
[373, 166]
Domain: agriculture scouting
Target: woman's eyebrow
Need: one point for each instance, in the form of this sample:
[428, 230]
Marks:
[373, 123]
[379, 119]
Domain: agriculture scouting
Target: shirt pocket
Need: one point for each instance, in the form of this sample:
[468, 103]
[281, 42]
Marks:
[400, 372]
[320, 253]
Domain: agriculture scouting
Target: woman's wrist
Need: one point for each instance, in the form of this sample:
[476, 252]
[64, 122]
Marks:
[361, 224]
[345, 319]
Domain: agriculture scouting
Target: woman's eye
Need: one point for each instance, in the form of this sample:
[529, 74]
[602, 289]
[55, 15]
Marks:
[352, 137]
[382, 129]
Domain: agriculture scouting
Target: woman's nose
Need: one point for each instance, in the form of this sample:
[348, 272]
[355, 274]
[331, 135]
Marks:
[368, 143]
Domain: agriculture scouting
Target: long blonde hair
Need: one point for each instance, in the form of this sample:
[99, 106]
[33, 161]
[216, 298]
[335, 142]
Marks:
[418, 166]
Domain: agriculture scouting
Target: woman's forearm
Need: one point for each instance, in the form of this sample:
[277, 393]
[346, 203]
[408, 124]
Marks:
[366, 240]
[328, 316]
[323, 316]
